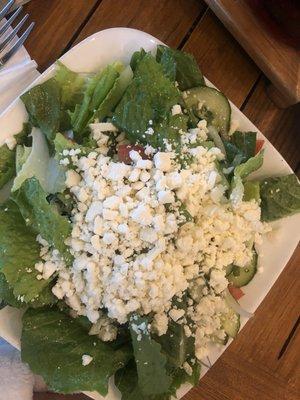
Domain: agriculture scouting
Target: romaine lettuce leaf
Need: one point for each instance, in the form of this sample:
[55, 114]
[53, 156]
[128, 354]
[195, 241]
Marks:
[42, 217]
[176, 345]
[43, 105]
[71, 86]
[53, 345]
[95, 93]
[19, 252]
[151, 363]
[280, 197]
[240, 173]
[45, 297]
[39, 164]
[251, 191]
[7, 294]
[7, 164]
[147, 101]
[7, 156]
[136, 57]
[126, 380]
[240, 148]
[180, 66]
[114, 96]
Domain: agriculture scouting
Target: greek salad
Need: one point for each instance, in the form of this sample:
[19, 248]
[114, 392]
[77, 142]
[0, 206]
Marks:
[129, 223]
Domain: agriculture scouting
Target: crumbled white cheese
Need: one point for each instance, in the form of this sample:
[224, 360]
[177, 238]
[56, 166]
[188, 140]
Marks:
[176, 109]
[86, 360]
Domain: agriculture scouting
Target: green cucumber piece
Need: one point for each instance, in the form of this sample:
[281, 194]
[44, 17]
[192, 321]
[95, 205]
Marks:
[242, 276]
[210, 104]
[228, 269]
[231, 324]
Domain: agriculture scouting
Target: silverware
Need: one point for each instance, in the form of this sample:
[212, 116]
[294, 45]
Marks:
[6, 45]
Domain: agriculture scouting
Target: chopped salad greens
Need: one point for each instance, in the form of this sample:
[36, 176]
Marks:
[128, 222]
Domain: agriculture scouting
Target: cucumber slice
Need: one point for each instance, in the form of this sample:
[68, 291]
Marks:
[231, 323]
[228, 269]
[242, 276]
[210, 104]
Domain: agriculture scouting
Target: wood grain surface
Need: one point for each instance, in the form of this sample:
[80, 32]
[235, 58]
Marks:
[279, 61]
[263, 362]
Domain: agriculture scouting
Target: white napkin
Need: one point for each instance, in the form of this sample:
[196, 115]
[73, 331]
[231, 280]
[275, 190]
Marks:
[16, 380]
[15, 76]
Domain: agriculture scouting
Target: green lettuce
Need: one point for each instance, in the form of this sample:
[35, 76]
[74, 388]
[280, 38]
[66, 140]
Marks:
[7, 294]
[180, 67]
[53, 345]
[71, 86]
[19, 252]
[8, 157]
[36, 162]
[97, 89]
[43, 105]
[251, 191]
[280, 197]
[126, 380]
[241, 172]
[151, 363]
[147, 101]
[136, 57]
[240, 148]
[114, 96]
[42, 217]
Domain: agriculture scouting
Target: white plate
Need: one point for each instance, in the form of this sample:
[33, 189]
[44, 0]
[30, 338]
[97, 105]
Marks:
[118, 44]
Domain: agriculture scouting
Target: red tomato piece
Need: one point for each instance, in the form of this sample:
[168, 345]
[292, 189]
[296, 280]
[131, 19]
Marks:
[259, 145]
[124, 150]
[235, 292]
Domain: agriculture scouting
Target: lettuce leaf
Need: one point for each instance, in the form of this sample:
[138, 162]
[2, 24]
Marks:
[280, 197]
[43, 105]
[39, 164]
[240, 148]
[95, 93]
[71, 86]
[53, 345]
[136, 57]
[241, 172]
[19, 252]
[151, 363]
[126, 380]
[45, 297]
[7, 294]
[42, 217]
[180, 67]
[7, 165]
[114, 96]
[8, 157]
[149, 97]
[251, 191]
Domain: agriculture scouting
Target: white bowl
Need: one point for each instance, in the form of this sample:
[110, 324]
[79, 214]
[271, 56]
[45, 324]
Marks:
[118, 44]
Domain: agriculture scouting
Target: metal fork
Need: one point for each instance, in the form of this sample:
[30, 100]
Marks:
[5, 44]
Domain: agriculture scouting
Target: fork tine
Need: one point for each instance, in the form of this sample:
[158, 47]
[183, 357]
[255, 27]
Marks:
[17, 45]
[6, 8]
[9, 38]
[10, 21]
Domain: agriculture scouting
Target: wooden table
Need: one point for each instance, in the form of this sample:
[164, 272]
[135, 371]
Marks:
[262, 363]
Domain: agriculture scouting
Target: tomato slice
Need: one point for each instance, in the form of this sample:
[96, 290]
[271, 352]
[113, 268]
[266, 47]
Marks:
[125, 149]
[235, 292]
[259, 145]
